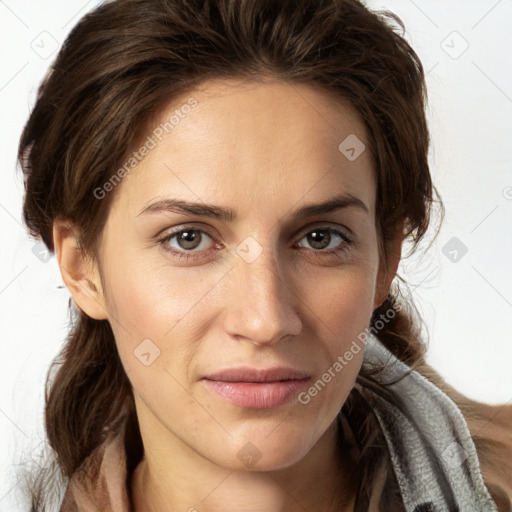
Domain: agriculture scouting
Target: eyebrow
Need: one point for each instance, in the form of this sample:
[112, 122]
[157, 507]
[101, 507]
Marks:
[229, 215]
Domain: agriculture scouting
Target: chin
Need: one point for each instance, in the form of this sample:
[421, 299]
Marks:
[266, 450]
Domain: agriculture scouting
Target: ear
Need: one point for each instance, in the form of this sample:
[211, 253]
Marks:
[79, 273]
[388, 268]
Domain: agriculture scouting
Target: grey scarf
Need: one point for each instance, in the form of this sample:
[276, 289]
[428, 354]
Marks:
[431, 418]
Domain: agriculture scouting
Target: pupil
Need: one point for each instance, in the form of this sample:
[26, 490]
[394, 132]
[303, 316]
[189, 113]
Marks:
[318, 237]
[189, 239]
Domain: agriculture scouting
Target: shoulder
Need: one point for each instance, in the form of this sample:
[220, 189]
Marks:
[490, 427]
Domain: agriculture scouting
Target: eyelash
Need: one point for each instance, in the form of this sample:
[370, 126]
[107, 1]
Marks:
[194, 255]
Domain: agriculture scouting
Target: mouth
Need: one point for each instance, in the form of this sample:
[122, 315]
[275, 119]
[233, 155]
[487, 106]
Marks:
[256, 388]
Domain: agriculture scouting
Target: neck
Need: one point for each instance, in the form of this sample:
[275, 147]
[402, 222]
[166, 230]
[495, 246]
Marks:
[320, 481]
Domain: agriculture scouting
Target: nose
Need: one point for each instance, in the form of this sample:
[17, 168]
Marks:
[261, 301]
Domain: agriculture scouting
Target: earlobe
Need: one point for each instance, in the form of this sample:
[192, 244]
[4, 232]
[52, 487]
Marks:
[79, 273]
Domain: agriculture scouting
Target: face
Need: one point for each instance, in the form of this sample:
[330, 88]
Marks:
[191, 294]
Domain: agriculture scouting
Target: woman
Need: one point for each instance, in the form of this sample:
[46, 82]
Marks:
[227, 186]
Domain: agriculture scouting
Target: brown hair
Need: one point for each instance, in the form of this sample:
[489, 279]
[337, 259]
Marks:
[118, 67]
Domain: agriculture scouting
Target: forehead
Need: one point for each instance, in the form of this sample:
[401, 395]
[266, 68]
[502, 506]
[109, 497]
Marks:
[253, 143]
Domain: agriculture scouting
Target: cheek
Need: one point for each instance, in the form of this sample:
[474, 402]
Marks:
[343, 309]
[343, 301]
[160, 303]
[148, 297]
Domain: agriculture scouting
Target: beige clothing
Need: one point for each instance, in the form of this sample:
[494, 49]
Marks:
[108, 490]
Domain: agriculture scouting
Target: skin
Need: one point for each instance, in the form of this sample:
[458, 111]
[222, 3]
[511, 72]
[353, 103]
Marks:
[293, 305]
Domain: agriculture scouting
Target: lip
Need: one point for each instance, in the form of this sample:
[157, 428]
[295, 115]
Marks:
[257, 388]
[247, 374]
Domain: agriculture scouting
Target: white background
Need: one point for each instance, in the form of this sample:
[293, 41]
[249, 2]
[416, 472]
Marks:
[467, 304]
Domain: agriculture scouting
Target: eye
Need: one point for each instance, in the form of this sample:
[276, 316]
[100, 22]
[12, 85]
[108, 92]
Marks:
[327, 240]
[187, 240]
